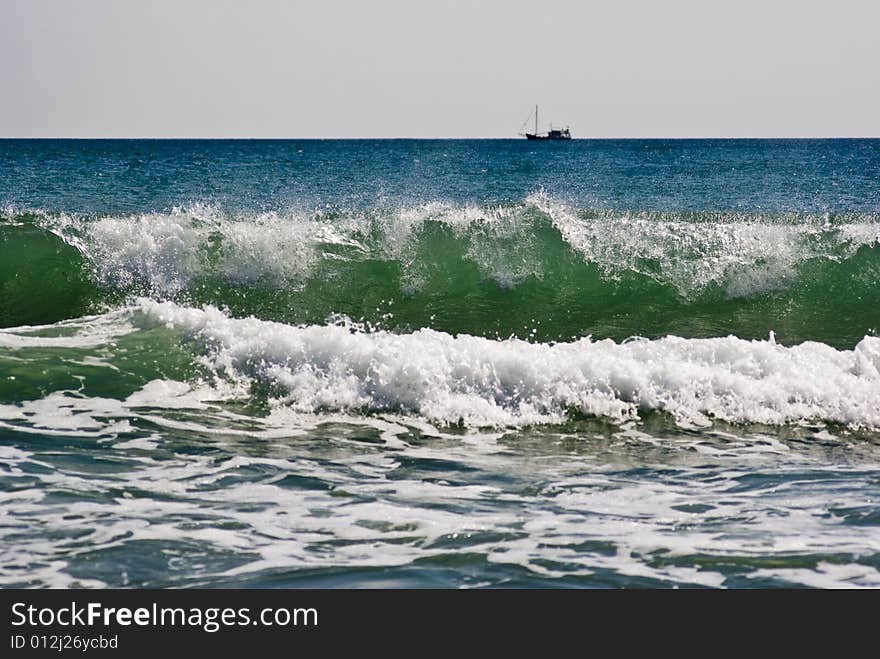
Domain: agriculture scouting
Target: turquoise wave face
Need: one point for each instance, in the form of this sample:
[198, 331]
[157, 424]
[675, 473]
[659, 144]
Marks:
[42, 277]
[536, 270]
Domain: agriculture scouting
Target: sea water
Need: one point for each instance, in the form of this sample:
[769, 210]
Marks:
[440, 363]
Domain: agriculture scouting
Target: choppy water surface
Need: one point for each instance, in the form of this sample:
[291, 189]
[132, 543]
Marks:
[440, 363]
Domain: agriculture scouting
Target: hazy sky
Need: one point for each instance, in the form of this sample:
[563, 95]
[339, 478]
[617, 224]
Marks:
[439, 68]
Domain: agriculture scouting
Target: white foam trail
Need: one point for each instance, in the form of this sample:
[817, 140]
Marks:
[85, 332]
[199, 508]
[482, 382]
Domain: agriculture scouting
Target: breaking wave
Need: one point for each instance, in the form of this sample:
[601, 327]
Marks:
[535, 269]
[447, 380]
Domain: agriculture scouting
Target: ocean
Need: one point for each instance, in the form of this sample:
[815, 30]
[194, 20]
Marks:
[439, 363]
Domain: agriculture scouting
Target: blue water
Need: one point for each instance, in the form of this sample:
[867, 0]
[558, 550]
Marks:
[440, 363]
[134, 176]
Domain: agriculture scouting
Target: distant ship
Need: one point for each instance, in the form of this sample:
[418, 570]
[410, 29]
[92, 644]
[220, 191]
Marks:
[552, 134]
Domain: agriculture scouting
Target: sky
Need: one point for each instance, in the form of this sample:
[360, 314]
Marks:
[438, 68]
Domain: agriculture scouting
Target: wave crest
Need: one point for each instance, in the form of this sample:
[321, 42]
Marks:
[534, 269]
[481, 382]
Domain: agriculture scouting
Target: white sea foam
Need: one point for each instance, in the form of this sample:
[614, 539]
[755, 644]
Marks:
[482, 382]
[85, 332]
[588, 517]
[167, 251]
[744, 255]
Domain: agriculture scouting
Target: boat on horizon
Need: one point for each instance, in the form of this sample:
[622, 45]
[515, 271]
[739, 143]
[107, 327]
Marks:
[552, 134]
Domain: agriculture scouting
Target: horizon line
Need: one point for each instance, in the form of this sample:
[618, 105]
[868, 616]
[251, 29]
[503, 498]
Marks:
[405, 138]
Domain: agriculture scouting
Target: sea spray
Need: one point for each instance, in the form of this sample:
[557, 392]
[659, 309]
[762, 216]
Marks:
[537, 270]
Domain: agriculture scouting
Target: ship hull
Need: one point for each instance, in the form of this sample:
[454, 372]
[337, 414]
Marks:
[530, 136]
